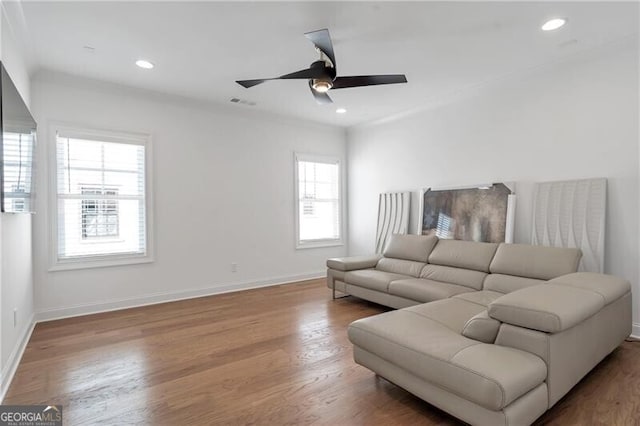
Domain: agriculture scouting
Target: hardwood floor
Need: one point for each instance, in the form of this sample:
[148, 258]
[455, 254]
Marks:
[272, 356]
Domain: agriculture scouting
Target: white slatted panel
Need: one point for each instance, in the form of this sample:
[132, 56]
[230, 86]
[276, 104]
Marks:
[393, 216]
[572, 214]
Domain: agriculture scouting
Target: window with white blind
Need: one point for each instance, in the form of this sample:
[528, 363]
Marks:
[102, 200]
[318, 204]
[17, 147]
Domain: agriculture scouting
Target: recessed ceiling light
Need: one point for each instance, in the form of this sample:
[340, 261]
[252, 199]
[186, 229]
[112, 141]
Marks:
[553, 24]
[341, 110]
[144, 64]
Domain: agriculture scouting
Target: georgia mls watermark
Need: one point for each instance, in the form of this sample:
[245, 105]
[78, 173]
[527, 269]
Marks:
[30, 415]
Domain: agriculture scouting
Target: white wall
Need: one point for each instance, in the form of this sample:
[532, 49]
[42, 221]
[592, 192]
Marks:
[575, 119]
[223, 194]
[16, 278]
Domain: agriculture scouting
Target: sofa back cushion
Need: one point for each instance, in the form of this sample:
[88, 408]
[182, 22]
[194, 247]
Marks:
[410, 247]
[463, 254]
[538, 262]
[400, 266]
[451, 275]
[547, 307]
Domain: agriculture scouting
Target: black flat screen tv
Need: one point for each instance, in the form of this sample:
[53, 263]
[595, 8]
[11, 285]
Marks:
[17, 148]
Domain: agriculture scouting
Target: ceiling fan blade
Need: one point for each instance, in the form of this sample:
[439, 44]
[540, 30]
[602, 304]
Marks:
[250, 83]
[367, 80]
[322, 41]
[321, 98]
[317, 70]
[314, 72]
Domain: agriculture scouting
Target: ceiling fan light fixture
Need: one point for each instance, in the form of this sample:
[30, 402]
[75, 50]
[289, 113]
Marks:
[321, 85]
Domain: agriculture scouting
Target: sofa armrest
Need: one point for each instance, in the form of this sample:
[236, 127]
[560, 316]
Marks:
[546, 307]
[482, 328]
[353, 262]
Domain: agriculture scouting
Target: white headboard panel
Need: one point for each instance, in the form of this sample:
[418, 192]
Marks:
[393, 216]
[572, 214]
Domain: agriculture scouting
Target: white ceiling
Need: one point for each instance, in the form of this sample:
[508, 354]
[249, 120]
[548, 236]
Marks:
[201, 48]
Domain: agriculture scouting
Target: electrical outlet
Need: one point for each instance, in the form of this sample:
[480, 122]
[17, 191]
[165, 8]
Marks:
[234, 267]
[15, 318]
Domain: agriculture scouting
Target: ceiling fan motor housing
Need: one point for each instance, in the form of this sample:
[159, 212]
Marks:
[324, 81]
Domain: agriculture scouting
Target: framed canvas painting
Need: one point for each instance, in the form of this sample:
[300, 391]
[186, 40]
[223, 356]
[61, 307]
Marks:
[482, 213]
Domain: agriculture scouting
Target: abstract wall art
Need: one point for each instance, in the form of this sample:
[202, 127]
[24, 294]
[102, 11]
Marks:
[477, 213]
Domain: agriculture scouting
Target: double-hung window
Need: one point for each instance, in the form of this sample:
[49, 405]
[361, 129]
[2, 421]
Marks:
[102, 199]
[318, 203]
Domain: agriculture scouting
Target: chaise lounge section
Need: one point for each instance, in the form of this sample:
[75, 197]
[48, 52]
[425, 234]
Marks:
[506, 330]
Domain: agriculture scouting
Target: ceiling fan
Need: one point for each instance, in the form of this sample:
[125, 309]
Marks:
[322, 73]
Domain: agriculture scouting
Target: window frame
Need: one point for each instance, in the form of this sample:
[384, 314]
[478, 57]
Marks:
[103, 260]
[325, 242]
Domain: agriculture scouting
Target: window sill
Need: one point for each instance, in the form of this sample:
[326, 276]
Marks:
[319, 244]
[99, 262]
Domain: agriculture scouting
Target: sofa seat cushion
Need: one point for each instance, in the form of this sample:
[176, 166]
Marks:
[451, 313]
[372, 279]
[508, 283]
[490, 375]
[451, 275]
[400, 266]
[423, 290]
[482, 298]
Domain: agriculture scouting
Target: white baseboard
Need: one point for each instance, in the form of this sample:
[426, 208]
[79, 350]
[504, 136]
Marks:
[635, 330]
[14, 358]
[153, 299]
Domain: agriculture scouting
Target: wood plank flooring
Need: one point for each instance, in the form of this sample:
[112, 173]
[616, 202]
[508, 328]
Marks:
[271, 356]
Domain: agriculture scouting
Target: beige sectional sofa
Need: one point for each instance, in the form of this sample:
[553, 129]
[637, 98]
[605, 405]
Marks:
[491, 333]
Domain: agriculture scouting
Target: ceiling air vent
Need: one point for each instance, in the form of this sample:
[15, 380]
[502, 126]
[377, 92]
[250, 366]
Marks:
[242, 101]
